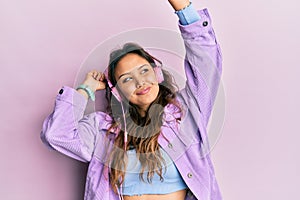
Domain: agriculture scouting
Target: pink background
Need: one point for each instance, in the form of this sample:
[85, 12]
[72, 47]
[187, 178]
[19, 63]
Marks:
[43, 43]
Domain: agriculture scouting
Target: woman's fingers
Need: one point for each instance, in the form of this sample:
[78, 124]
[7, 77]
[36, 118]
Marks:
[95, 80]
[102, 77]
[91, 74]
[98, 76]
[95, 74]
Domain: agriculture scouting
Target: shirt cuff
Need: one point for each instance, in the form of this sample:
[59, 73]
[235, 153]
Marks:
[70, 95]
[187, 15]
[198, 29]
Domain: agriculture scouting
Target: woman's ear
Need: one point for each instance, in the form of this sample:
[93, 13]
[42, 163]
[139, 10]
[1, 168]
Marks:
[159, 74]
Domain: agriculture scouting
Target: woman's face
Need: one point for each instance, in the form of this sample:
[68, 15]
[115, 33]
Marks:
[137, 81]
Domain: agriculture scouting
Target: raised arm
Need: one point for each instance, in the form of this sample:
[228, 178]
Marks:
[203, 63]
[67, 130]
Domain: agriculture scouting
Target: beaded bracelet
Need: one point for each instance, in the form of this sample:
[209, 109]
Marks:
[86, 88]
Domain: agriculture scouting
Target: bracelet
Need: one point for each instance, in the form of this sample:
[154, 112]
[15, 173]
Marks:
[86, 88]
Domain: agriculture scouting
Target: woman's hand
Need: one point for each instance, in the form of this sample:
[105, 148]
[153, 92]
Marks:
[95, 80]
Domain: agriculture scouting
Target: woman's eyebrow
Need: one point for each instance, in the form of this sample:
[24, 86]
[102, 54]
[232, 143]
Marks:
[130, 72]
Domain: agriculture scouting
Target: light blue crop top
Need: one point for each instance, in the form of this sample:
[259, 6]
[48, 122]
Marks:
[132, 184]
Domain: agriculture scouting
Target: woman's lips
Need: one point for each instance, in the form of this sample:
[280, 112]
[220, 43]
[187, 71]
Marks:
[145, 91]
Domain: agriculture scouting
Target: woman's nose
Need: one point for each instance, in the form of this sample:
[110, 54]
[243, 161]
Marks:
[139, 83]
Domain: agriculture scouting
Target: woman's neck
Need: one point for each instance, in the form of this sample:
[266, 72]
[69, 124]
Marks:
[142, 111]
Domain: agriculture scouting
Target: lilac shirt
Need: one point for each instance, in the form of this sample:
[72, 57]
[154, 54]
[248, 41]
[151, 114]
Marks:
[83, 137]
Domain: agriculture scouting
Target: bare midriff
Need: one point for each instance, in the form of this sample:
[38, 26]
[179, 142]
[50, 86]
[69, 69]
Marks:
[178, 195]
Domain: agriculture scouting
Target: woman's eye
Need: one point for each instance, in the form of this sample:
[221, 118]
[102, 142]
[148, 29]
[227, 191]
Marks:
[144, 71]
[125, 80]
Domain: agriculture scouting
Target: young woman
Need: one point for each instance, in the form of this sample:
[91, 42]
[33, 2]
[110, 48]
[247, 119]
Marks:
[152, 141]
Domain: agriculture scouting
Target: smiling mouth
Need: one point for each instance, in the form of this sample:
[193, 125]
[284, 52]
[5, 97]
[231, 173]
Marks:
[145, 91]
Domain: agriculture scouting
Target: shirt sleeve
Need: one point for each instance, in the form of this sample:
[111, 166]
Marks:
[188, 15]
[203, 63]
[69, 131]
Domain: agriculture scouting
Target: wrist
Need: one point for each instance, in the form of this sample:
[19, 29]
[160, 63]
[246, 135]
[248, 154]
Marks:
[179, 4]
[89, 93]
[83, 93]
[89, 86]
[188, 15]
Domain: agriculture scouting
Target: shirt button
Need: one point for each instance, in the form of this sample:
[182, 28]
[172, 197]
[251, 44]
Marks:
[61, 91]
[205, 23]
[189, 175]
[170, 145]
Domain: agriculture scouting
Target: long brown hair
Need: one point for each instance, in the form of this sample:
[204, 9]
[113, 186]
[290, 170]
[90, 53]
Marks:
[143, 132]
